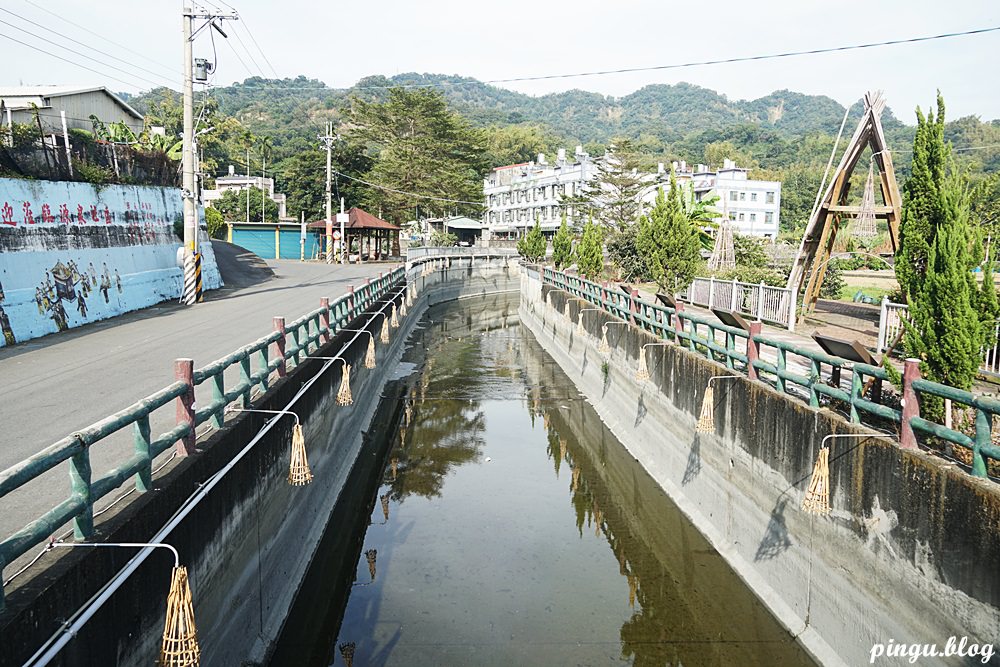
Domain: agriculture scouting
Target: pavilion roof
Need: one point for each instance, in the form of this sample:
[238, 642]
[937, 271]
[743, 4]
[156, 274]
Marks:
[358, 219]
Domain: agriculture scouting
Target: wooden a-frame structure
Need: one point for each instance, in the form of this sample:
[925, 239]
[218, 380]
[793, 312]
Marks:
[826, 220]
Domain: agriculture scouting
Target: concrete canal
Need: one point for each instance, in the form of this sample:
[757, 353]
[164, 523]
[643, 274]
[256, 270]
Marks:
[499, 522]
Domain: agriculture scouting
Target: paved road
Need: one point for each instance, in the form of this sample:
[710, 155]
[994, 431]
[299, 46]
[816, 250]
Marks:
[58, 384]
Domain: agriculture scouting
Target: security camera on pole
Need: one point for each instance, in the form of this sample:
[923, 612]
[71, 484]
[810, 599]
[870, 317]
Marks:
[192, 259]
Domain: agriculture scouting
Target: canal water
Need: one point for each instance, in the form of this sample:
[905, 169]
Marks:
[503, 524]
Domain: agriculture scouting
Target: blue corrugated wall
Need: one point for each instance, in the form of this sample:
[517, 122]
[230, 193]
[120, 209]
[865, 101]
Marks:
[258, 241]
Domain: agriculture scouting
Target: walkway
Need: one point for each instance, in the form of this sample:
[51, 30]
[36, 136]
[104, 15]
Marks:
[55, 385]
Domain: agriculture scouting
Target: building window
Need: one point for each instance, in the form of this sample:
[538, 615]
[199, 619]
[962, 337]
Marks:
[732, 195]
[753, 196]
[753, 217]
[743, 196]
[742, 216]
[769, 198]
[769, 218]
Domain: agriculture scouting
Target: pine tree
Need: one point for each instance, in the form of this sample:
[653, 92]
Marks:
[613, 193]
[562, 245]
[590, 252]
[532, 246]
[670, 241]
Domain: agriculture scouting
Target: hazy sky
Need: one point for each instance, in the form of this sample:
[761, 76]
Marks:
[339, 42]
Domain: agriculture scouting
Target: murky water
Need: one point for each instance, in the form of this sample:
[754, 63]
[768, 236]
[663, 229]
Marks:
[510, 527]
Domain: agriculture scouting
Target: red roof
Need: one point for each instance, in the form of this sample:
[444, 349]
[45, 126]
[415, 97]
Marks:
[358, 219]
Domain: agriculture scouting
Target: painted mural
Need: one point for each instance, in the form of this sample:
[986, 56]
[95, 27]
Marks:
[72, 253]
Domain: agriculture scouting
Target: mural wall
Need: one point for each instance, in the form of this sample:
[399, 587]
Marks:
[72, 253]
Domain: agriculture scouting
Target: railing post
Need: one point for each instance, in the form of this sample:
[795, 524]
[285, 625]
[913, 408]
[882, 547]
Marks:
[792, 302]
[219, 394]
[678, 324]
[760, 302]
[184, 372]
[633, 304]
[984, 427]
[782, 364]
[350, 303]
[732, 297]
[883, 310]
[141, 439]
[711, 292]
[753, 350]
[911, 404]
[79, 479]
[324, 319]
[279, 345]
[245, 378]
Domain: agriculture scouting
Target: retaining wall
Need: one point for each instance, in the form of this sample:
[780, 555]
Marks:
[249, 545]
[909, 551]
[72, 253]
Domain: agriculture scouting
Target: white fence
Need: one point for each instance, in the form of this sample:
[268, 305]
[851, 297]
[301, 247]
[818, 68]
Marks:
[891, 324]
[762, 302]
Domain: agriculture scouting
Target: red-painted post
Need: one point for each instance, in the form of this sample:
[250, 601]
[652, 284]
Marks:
[324, 319]
[278, 348]
[184, 372]
[633, 304]
[678, 325]
[753, 349]
[911, 404]
[350, 302]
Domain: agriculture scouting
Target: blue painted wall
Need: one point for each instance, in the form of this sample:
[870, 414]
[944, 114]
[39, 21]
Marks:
[72, 253]
[259, 239]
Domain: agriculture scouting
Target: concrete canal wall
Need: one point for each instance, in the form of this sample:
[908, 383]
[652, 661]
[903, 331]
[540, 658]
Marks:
[249, 544]
[73, 253]
[909, 552]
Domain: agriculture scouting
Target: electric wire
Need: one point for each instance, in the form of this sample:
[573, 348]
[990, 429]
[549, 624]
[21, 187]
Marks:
[96, 34]
[82, 55]
[254, 40]
[87, 46]
[408, 194]
[71, 62]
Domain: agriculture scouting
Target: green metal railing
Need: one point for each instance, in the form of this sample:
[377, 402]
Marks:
[287, 346]
[741, 352]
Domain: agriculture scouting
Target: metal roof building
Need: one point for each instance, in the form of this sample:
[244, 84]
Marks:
[77, 102]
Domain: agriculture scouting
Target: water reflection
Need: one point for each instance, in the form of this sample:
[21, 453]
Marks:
[512, 528]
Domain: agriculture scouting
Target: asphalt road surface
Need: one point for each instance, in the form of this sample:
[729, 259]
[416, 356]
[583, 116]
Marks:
[55, 385]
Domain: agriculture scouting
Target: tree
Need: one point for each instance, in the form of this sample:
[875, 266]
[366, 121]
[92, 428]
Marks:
[613, 193]
[922, 201]
[215, 223]
[233, 206]
[562, 246]
[421, 150]
[951, 319]
[443, 239]
[669, 241]
[623, 250]
[513, 144]
[532, 246]
[590, 251]
[302, 178]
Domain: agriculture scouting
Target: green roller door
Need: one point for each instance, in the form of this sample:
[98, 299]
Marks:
[258, 241]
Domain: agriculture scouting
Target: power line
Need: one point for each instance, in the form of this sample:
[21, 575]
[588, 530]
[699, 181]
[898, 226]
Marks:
[651, 68]
[409, 194]
[82, 55]
[86, 29]
[260, 71]
[254, 40]
[71, 62]
[83, 44]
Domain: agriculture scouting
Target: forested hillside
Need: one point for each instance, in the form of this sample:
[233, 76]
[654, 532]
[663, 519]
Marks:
[784, 135]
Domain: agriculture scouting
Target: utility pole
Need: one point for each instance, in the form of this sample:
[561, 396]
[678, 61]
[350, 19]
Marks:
[188, 186]
[248, 186]
[327, 140]
[343, 219]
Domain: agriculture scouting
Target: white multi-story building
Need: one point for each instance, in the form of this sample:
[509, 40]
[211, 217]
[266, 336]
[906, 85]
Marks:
[240, 182]
[752, 206]
[518, 194]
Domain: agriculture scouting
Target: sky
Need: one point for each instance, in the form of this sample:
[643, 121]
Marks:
[339, 42]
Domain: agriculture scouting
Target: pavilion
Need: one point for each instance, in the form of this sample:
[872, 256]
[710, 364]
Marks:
[368, 237]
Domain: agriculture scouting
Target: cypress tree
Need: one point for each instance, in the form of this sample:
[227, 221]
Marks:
[532, 246]
[951, 319]
[590, 252]
[562, 245]
[669, 241]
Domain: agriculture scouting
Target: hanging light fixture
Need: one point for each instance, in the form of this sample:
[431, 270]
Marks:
[299, 473]
[706, 421]
[344, 394]
[642, 372]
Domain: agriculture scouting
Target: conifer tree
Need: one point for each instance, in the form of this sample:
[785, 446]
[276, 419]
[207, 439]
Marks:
[590, 251]
[951, 319]
[562, 245]
[613, 193]
[532, 246]
[669, 241]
